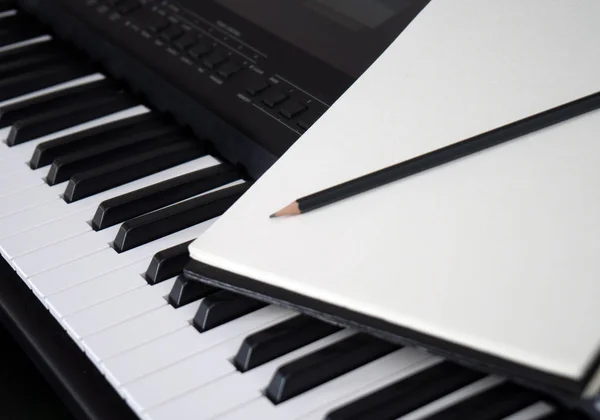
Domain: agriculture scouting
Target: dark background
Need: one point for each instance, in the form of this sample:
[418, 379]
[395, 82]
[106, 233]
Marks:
[24, 393]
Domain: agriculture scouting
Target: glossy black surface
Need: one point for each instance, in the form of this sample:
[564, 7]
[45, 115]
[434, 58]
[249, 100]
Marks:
[121, 208]
[40, 78]
[47, 151]
[6, 5]
[34, 107]
[222, 307]
[17, 29]
[143, 229]
[408, 394]
[85, 184]
[310, 371]
[282, 338]
[62, 117]
[30, 60]
[186, 291]
[493, 404]
[122, 145]
[168, 263]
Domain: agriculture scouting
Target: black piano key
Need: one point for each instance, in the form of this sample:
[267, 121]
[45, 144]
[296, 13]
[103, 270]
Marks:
[33, 107]
[168, 263]
[315, 369]
[41, 78]
[151, 226]
[186, 291]
[100, 179]
[17, 29]
[27, 62]
[493, 404]
[222, 307]
[280, 339]
[408, 394]
[154, 197]
[49, 150]
[119, 147]
[6, 5]
[67, 116]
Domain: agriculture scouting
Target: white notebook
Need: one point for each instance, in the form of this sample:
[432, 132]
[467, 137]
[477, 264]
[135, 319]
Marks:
[499, 252]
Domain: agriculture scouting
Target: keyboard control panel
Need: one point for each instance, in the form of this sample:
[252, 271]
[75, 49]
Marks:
[218, 56]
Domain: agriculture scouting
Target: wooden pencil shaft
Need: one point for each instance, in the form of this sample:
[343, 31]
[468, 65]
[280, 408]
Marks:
[450, 153]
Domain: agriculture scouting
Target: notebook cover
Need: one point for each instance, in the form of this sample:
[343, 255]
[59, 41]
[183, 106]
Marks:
[506, 236]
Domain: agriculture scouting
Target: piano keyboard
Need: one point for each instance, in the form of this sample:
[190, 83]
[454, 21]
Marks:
[101, 196]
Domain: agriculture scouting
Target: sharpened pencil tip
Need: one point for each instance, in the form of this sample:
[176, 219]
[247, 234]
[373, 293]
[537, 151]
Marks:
[291, 209]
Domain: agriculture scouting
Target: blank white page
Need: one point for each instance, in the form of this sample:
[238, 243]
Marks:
[498, 251]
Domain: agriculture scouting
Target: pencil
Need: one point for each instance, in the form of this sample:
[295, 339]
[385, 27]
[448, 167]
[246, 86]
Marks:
[441, 156]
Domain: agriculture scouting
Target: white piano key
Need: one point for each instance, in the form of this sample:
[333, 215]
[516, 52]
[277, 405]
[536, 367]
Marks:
[8, 167]
[215, 399]
[35, 40]
[261, 408]
[30, 198]
[13, 185]
[7, 13]
[77, 272]
[58, 208]
[60, 254]
[3, 146]
[454, 398]
[137, 331]
[114, 311]
[95, 265]
[95, 291]
[143, 394]
[35, 216]
[52, 234]
[184, 343]
[164, 288]
[17, 168]
[192, 381]
[533, 412]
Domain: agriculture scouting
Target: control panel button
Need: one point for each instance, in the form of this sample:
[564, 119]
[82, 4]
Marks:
[214, 59]
[171, 33]
[273, 98]
[157, 23]
[229, 69]
[292, 109]
[200, 50]
[186, 41]
[257, 88]
[307, 121]
[128, 6]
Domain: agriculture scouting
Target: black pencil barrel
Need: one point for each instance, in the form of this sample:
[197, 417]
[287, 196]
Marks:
[450, 153]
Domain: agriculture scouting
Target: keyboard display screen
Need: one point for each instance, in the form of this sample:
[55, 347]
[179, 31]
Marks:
[347, 34]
